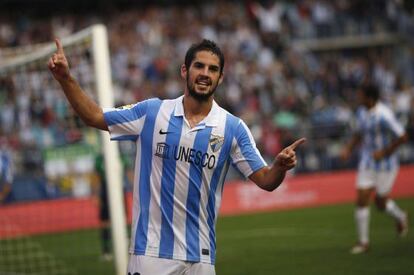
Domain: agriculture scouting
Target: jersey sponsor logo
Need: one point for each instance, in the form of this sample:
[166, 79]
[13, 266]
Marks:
[162, 150]
[216, 142]
[185, 154]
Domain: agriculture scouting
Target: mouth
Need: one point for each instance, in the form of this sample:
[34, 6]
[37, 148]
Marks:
[202, 86]
[203, 82]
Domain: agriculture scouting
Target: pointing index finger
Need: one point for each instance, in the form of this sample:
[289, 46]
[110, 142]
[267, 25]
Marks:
[59, 46]
[297, 143]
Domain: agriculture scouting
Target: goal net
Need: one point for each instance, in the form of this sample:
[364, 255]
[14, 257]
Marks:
[50, 223]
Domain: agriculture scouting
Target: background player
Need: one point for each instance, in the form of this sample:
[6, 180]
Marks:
[380, 134]
[184, 148]
[103, 202]
[6, 171]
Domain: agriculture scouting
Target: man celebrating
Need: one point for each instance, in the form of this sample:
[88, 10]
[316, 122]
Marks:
[184, 148]
[380, 134]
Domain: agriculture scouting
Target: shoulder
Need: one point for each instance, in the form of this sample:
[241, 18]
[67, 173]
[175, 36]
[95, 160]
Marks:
[238, 126]
[168, 102]
[385, 111]
[227, 117]
[361, 111]
[152, 101]
[223, 113]
[138, 104]
[383, 108]
[142, 106]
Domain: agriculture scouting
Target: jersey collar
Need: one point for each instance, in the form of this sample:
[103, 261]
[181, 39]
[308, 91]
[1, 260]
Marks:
[211, 120]
[374, 108]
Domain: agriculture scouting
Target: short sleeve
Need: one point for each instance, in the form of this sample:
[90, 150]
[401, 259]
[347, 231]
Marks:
[390, 122]
[244, 154]
[126, 122]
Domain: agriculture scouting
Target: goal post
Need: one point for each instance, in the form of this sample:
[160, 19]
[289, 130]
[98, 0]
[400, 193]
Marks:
[22, 63]
[111, 152]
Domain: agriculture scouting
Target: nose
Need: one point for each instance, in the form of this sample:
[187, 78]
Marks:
[205, 71]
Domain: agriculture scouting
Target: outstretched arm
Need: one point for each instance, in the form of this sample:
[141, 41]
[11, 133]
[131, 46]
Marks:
[84, 106]
[347, 150]
[269, 178]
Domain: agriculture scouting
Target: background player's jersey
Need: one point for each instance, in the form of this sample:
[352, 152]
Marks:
[6, 173]
[179, 174]
[378, 128]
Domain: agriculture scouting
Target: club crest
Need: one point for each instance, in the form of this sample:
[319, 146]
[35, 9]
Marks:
[216, 142]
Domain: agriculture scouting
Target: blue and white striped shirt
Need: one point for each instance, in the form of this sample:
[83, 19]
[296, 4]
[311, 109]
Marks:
[179, 174]
[378, 127]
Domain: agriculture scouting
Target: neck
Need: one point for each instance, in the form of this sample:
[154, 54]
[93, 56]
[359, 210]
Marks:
[195, 110]
[372, 104]
[193, 106]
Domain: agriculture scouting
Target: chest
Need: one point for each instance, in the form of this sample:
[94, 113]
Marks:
[372, 123]
[175, 140]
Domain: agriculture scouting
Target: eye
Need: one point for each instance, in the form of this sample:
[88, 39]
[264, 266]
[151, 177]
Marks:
[198, 65]
[214, 69]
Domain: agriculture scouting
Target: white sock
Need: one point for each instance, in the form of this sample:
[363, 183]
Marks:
[392, 209]
[362, 215]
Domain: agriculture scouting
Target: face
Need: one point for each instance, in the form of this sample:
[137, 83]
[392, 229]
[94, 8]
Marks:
[364, 100]
[203, 76]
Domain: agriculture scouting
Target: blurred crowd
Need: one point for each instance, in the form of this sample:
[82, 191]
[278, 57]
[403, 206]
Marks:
[281, 91]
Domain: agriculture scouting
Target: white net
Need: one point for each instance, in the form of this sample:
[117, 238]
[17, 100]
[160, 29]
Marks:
[52, 221]
[24, 255]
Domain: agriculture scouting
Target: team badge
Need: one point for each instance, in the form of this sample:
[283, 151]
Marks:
[216, 142]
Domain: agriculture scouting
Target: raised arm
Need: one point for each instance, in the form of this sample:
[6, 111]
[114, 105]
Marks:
[269, 178]
[84, 106]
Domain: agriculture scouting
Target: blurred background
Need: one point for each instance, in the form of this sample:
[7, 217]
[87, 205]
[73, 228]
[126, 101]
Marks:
[292, 69]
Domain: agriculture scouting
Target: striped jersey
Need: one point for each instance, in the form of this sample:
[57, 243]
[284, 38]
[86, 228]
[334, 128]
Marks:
[378, 127]
[179, 174]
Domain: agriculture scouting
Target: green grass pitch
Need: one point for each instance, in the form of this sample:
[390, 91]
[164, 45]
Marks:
[304, 241]
[311, 241]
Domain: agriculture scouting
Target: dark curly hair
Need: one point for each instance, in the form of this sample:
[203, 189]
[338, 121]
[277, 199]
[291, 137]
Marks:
[204, 45]
[371, 91]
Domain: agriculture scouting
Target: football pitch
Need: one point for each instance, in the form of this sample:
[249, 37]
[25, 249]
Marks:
[304, 241]
[311, 241]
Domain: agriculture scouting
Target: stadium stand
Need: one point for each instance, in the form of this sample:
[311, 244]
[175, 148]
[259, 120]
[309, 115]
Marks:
[292, 69]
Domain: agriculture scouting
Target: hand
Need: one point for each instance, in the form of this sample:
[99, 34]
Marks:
[286, 159]
[58, 64]
[378, 155]
[345, 154]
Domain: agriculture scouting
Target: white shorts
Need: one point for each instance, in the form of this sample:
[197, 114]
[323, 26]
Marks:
[382, 181]
[147, 265]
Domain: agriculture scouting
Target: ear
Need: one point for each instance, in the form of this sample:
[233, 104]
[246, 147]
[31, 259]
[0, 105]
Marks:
[183, 71]
[221, 78]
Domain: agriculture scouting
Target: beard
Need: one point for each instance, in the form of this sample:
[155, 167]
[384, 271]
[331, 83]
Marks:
[200, 96]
